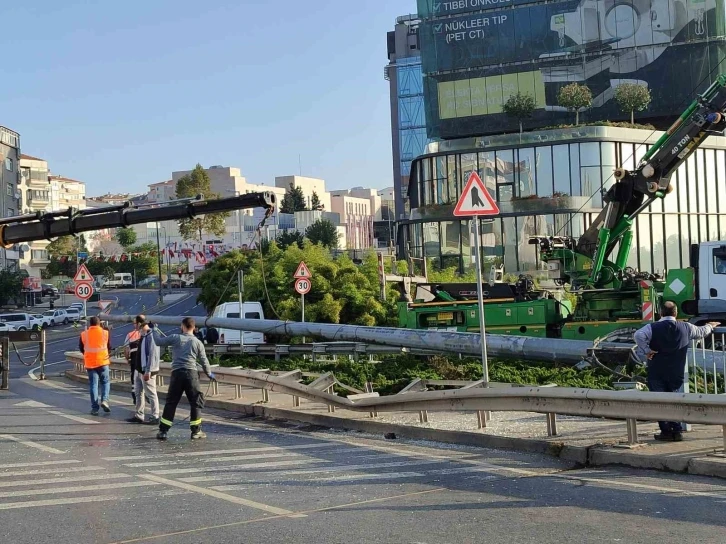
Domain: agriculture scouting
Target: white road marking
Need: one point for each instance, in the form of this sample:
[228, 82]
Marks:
[40, 464]
[32, 404]
[357, 477]
[235, 468]
[74, 418]
[281, 473]
[647, 487]
[74, 489]
[61, 502]
[65, 480]
[225, 452]
[30, 444]
[221, 496]
[50, 471]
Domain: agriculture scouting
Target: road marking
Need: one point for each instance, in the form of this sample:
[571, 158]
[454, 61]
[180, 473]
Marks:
[337, 468]
[270, 518]
[49, 471]
[30, 444]
[74, 418]
[57, 502]
[224, 452]
[32, 404]
[221, 496]
[40, 464]
[235, 468]
[357, 477]
[612, 483]
[69, 479]
[75, 489]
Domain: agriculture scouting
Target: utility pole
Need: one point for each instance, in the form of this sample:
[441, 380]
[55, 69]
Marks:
[158, 253]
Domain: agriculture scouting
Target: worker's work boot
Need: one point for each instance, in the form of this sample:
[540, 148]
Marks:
[161, 435]
[198, 434]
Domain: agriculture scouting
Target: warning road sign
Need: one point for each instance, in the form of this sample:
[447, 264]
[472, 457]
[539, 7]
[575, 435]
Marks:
[475, 199]
[83, 275]
[302, 271]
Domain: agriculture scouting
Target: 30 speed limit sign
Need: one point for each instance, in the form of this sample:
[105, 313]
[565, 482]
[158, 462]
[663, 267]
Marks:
[303, 286]
[84, 291]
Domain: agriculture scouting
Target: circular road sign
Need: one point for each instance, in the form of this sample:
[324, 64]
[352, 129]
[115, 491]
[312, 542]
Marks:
[303, 286]
[84, 291]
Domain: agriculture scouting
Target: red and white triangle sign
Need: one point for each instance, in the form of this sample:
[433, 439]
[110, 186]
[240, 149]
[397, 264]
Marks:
[302, 271]
[475, 199]
[83, 275]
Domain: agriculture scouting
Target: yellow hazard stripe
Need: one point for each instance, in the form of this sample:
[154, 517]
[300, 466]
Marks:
[166, 422]
[195, 423]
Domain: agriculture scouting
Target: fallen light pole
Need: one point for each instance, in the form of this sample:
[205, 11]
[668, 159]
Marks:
[510, 347]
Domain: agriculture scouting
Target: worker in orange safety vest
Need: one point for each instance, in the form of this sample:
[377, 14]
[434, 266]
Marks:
[95, 344]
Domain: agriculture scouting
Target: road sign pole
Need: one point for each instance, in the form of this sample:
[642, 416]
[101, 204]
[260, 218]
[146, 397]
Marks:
[480, 297]
[302, 303]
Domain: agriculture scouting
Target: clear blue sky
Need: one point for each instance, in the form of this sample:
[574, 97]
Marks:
[120, 94]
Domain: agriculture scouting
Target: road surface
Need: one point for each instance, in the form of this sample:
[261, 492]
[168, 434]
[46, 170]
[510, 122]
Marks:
[69, 478]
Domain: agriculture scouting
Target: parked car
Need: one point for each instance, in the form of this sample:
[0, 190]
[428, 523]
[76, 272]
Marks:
[21, 321]
[78, 305]
[69, 289]
[43, 319]
[150, 282]
[4, 327]
[73, 314]
[57, 317]
[48, 290]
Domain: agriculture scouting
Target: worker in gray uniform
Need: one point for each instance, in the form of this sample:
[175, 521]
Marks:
[187, 351]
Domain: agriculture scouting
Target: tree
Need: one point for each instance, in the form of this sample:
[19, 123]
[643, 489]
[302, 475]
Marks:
[520, 106]
[62, 252]
[11, 284]
[315, 203]
[293, 201]
[323, 232]
[575, 97]
[632, 97]
[342, 291]
[289, 238]
[126, 237]
[191, 185]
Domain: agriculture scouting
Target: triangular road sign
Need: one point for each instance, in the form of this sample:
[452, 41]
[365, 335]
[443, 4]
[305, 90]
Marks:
[302, 271]
[475, 199]
[83, 275]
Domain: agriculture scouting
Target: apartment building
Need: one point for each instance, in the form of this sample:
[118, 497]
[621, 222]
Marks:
[9, 192]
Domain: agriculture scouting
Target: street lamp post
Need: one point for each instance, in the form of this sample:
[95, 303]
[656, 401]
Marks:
[158, 253]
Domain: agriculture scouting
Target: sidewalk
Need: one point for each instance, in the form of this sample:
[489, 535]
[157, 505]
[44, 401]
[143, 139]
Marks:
[589, 442]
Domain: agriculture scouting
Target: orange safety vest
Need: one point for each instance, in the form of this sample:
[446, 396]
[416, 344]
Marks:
[95, 347]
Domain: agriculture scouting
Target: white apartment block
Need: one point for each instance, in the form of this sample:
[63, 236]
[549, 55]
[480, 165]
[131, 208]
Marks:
[35, 192]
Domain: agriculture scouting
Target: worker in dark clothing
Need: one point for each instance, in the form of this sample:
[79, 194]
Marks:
[187, 351]
[665, 345]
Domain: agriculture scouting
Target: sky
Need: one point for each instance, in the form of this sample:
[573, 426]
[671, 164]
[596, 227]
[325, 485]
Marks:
[120, 94]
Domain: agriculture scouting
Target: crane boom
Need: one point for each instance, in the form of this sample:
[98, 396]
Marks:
[585, 261]
[46, 226]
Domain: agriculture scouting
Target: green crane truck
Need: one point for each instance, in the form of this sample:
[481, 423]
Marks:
[597, 296]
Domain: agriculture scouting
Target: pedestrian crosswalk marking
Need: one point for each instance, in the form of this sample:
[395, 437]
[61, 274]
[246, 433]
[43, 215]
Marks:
[64, 480]
[74, 489]
[49, 471]
[234, 468]
[40, 464]
[77, 419]
[30, 444]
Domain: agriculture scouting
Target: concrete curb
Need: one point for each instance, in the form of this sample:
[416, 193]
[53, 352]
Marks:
[589, 456]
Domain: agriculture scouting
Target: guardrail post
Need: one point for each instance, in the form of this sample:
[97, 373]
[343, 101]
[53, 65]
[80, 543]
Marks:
[237, 391]
[423, 416]
[265, 395]
[551, 424]
[4, 362]
[632, 431]
[331, 408]
[369, 389]
[724, 437]
[481, 420]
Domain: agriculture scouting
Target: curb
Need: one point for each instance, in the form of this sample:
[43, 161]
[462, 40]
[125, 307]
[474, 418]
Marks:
[595, 455]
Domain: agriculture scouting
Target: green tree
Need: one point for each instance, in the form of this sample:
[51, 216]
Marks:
[10, 285]
[191, 185]
[62, 252]
[632, 97]
[575, 97]
[289, 238]
[126, 237]
[140, 261]
[342, 291]
[293, 201]
[315, 203]
[323, 232]
[520, 106]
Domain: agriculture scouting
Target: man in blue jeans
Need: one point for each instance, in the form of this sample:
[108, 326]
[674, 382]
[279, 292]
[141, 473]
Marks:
[95, 344]
[665, 345]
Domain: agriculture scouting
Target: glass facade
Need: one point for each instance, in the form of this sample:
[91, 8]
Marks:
[555, 189]
[477, 53]
[411, 112]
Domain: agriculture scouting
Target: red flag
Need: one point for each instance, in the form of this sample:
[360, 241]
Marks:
[171, 254]
[201, 259]
[124, 257]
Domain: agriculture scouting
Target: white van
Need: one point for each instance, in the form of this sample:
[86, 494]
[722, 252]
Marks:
[119, 280]
[230, 310]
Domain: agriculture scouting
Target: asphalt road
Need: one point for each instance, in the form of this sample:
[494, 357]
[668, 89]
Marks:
[69, 478]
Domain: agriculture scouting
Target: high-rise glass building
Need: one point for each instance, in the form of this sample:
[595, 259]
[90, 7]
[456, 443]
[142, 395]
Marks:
[475, 54]
[408, 119]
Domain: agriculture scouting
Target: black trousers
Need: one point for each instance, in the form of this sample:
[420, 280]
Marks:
[665, 384]
[183, 382]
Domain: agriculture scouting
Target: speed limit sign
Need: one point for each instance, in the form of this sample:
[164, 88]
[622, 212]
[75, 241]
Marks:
[84, 291]
[303, 286]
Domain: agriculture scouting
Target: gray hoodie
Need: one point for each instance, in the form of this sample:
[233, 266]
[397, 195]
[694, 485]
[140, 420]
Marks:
[186, 351]
[150, 353]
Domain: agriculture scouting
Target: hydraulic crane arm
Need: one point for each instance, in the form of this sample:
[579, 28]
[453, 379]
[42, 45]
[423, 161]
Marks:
[46, 226]
[635, 191]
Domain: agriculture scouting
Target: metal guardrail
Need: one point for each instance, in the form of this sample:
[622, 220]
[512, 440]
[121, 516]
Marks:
[316, 350]
[630, 405]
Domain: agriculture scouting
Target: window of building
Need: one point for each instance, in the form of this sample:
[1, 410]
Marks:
[10, 189]
[11, 212]
[9, 164]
